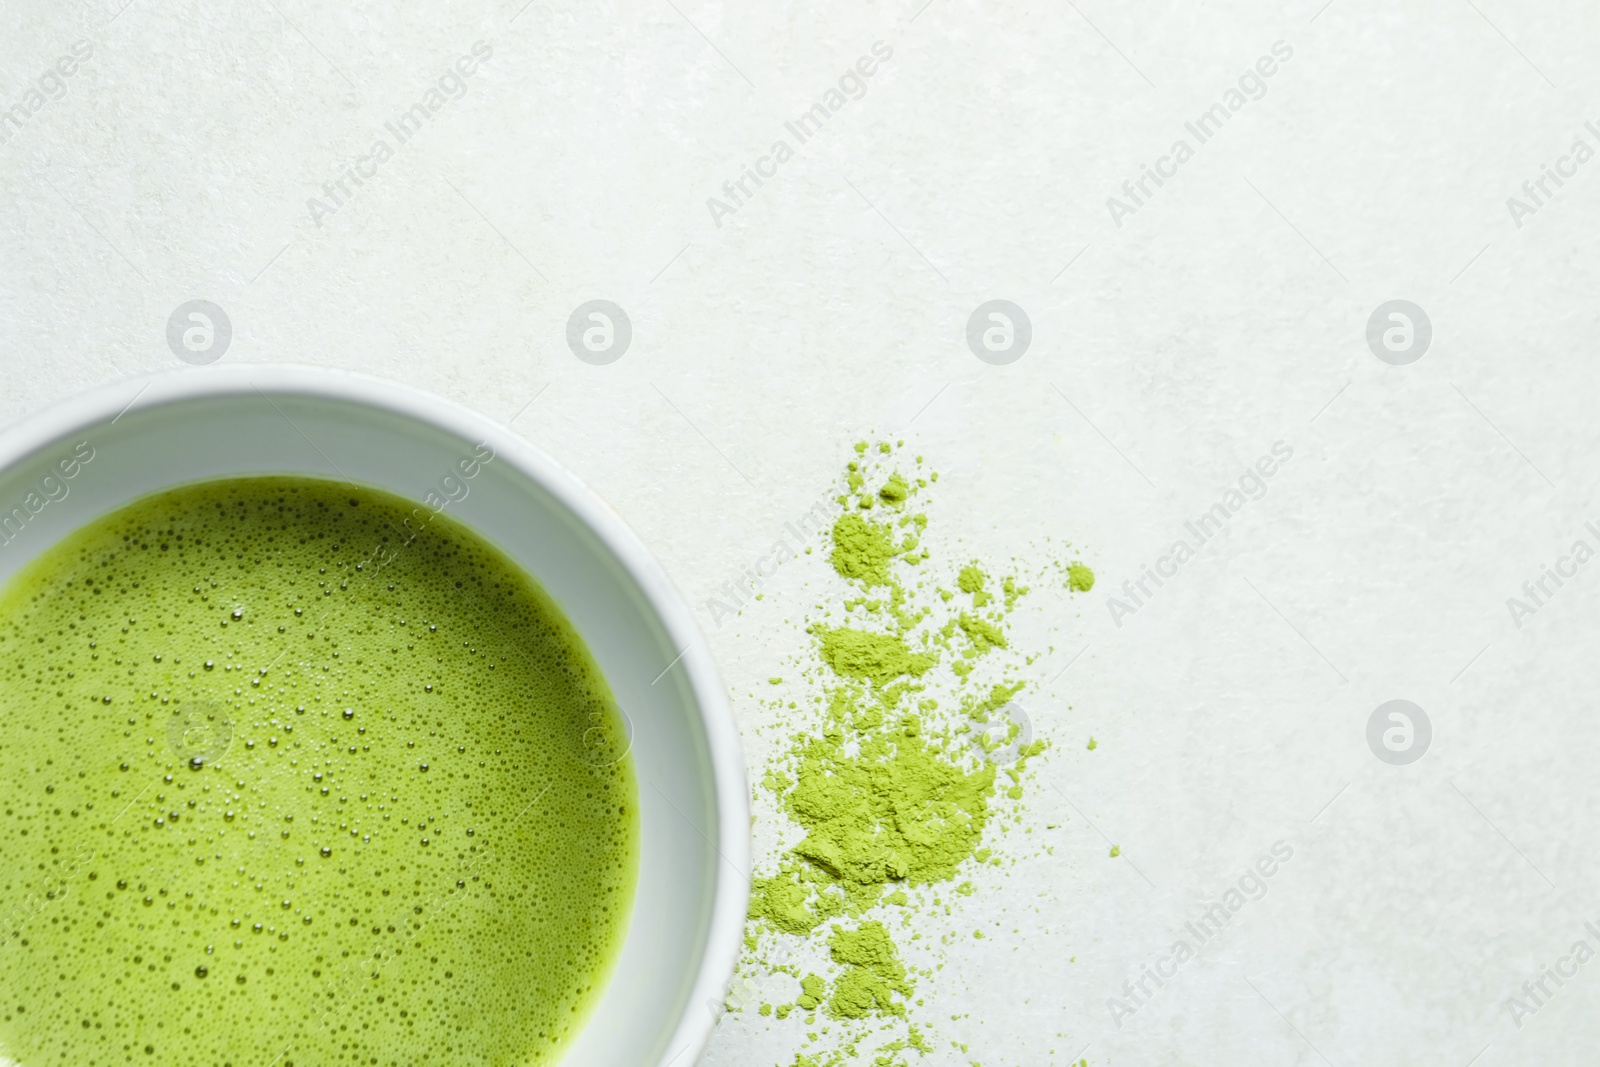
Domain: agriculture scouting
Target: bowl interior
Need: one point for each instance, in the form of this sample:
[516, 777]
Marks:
[680, 942]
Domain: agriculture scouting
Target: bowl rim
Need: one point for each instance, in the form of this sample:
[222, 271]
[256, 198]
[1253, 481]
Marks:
[105, 403]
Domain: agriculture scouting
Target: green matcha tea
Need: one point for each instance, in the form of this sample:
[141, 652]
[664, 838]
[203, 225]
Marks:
[298, 774]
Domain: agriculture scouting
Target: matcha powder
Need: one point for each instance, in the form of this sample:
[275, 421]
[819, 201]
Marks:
[902, 759]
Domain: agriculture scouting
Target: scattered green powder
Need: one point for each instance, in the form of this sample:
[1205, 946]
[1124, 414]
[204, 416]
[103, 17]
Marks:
[893, 790]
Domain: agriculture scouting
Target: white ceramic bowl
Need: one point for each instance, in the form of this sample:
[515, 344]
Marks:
[671, 974]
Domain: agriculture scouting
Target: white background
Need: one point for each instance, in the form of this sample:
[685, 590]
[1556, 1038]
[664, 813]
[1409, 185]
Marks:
[1168, 354]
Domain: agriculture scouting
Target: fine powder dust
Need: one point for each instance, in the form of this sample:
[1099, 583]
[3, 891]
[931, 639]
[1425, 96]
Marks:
[903, 761]
[284, 786]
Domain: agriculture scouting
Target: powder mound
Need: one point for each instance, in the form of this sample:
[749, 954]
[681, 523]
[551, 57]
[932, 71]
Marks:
[782, 902]
[879, 658]
[812, 990]
[863, 549]
[873, 973]
[898, 810]
[984, 635]
[971, 580]
[1080, 579]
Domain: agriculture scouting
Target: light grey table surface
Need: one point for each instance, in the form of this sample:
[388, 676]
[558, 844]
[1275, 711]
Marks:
[1178, 334]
